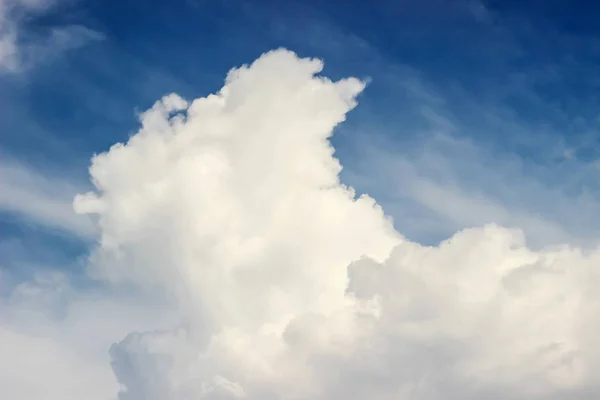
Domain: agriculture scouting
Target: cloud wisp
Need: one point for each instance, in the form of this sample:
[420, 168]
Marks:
[229, 209]
[19, 51]
[42, 199]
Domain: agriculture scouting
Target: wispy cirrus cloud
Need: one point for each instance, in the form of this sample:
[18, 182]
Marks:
[451, 162]
[42, 198]
[20, 49]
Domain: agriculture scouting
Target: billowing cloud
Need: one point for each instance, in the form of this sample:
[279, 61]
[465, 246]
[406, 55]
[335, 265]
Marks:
[290, 286]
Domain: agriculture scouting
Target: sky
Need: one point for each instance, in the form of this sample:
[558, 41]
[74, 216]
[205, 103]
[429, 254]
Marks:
[239, 199]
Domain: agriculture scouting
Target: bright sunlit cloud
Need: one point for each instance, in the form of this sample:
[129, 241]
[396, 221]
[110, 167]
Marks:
[257, 274]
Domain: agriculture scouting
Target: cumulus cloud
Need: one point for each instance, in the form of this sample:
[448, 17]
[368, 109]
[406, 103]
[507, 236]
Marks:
[288, 285]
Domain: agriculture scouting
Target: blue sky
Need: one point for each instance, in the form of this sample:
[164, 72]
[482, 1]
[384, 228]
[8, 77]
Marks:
[502, 95]
[475, 112]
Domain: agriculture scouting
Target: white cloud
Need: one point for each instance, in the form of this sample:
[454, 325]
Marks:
[229, 208]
